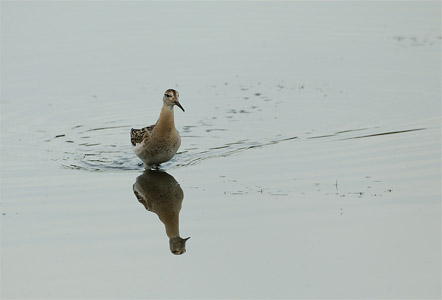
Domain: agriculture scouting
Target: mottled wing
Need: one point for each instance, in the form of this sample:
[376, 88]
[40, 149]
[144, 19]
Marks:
[137, 135]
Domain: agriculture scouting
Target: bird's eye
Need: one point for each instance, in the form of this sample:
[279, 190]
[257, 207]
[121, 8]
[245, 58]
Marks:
[167, 95]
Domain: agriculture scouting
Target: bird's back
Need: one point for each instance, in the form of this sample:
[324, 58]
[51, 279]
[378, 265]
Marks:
[137, 135]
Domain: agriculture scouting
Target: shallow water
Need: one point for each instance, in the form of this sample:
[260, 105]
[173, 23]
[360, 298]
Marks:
[309, 164]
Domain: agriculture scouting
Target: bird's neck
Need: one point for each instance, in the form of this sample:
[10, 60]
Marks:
[166, 119]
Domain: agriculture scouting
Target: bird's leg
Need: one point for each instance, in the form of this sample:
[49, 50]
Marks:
[156, 167]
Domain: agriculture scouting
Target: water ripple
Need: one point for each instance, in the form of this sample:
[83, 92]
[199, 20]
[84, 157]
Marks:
[115, 153]
[234, 127]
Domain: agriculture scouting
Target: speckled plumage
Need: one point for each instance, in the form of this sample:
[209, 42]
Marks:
[159, 143]
[137, 135]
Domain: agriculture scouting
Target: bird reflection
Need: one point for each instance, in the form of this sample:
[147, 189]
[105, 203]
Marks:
[160, 193]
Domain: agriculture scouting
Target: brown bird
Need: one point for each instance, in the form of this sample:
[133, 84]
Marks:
[158, 143]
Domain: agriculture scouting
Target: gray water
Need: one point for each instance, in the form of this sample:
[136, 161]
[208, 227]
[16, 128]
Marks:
[309, 165]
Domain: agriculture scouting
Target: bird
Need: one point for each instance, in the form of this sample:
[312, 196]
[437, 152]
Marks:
[159, 143]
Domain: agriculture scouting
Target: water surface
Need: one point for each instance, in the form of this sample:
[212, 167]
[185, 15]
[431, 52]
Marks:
[310, 157]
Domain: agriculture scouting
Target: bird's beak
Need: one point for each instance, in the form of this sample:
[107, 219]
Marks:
[187, 238]
[179, 105]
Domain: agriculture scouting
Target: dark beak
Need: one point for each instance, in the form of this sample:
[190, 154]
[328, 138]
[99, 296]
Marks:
[179, 105]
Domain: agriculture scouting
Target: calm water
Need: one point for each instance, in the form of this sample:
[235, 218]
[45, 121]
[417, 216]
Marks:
[310, 159]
